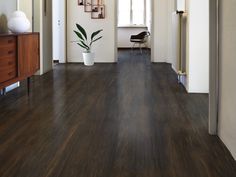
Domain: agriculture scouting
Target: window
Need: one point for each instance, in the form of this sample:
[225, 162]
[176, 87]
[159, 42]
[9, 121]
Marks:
[131, 12]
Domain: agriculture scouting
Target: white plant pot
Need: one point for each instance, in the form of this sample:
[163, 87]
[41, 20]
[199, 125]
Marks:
[88, 58]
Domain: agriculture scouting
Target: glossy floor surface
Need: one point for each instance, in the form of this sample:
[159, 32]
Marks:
[129, 119]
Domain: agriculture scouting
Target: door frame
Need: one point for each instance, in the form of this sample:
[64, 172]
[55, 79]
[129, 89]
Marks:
[214, 67]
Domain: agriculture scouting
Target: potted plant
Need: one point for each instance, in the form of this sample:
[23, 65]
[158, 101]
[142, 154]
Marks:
[86, 43]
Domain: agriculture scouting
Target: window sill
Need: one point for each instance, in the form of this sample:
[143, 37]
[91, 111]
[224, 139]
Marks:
[132, 26]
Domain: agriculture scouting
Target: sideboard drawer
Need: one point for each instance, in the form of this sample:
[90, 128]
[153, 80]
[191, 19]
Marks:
[7, 41]
[7, 62]
[8, 51]
[7, 73]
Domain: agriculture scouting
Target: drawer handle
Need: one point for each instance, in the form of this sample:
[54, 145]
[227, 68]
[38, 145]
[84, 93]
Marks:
[10, 63]
[10, 52]
[10, 41]
[10, 74]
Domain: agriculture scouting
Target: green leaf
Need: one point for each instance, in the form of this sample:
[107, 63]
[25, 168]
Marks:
[79, 35]
[82, 43]
[82, 46]
[95, 40]
[82, 31]
[95, 34]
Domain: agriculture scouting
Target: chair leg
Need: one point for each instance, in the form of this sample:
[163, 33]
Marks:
[3, 91]
[132, 48]
[146, 47]
[140, 48]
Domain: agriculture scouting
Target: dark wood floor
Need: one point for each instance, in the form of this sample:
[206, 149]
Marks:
[129, 119]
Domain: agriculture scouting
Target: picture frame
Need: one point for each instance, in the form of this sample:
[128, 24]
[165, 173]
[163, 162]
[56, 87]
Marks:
[98, 12]
[99, 2]
[81, 2]
[88, 5]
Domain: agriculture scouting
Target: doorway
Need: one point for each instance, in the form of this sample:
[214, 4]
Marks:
[133, 18]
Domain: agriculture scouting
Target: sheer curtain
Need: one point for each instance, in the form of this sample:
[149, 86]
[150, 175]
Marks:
[124, 13]
[138, 12]
[131, 12]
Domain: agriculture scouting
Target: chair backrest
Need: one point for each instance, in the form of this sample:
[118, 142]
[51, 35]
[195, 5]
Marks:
[143, 36]
[145, 39]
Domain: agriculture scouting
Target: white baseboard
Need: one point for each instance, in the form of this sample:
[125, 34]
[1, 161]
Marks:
[183, 79]
[175, 70]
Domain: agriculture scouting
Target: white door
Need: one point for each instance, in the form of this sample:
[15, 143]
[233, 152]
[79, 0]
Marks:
[59, 42]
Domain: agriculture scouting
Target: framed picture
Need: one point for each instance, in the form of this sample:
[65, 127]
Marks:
[98, 12]
[98, 2]
[81, 2]
[88, 5]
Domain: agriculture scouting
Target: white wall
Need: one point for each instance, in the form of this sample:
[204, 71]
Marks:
[38, 16]
[6, 9]
[124, 34]
[105, 48]
[198, 46]
[227, 51]
[164, 31]
[174, 44]
[160, 31]
[173, 35]
[26, 7]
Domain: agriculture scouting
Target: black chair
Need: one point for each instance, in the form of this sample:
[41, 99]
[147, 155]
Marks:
[140, 39]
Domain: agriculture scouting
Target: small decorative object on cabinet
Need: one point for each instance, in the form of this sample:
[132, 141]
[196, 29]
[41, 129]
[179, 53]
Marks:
[83, 42]
[19, 58]
[98, 12]
[18, 22]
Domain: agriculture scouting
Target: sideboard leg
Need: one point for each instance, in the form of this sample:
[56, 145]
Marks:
[28, 85]
[4, 91]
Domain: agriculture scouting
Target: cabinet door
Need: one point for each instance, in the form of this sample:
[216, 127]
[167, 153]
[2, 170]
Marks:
[28, 54]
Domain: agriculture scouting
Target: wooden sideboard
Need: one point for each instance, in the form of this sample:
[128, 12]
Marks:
[19, 57]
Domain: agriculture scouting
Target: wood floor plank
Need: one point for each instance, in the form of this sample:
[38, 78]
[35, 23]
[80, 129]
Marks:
[130, 119]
